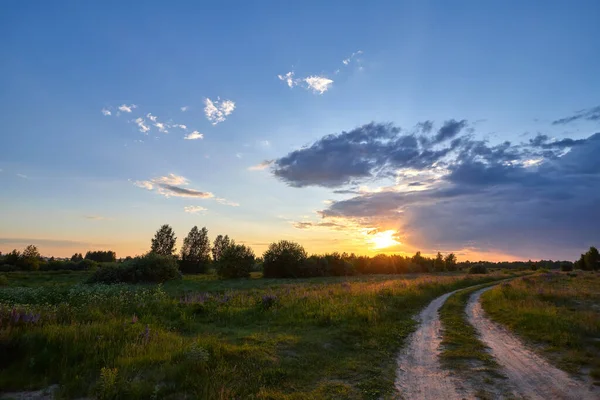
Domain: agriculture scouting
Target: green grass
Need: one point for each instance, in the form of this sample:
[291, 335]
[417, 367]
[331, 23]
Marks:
[558, 313]
[255, 338]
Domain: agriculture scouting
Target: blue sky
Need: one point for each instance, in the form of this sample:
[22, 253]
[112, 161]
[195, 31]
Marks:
[71, 175]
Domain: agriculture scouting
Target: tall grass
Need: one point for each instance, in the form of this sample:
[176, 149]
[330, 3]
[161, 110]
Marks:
[330, 338]
[558, 312]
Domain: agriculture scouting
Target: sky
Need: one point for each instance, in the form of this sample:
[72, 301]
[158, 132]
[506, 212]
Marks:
[387, 126]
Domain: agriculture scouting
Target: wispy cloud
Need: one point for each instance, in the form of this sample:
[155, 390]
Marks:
[218, 110]
[96, 218]
[127, 108]
[261, 166]
[288, 78]
[171, 186]
[227, 202]
[181, 126]
[161, 127]
[238, 155]
[141, 123]
[185, 108]
[318, 84]
[151, 117]
[264, 143]
[194, 135]
[23, 176]
[348, 60]
[106, 112]
[194, 209]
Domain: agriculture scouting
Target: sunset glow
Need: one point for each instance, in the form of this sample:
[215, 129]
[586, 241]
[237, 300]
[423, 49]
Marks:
[384, 239]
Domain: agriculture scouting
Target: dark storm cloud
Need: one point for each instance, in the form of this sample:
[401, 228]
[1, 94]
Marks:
[369, 151]
[590, 114]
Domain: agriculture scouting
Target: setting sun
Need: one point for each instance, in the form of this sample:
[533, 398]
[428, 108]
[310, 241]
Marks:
[384, 239]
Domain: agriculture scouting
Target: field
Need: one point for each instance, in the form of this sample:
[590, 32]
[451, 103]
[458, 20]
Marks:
[201, 337]
[558, 314]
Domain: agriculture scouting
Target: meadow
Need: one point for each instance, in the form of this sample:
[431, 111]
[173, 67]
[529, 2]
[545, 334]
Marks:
[557, 313]
[205, 337]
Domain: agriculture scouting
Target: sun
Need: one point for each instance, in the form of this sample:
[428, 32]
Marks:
[384, 239]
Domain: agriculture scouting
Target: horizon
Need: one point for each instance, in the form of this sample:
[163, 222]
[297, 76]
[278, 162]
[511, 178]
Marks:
[441, 128]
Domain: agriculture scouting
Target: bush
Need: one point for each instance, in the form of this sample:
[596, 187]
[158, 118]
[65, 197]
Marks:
[284, 259]
[193, 267]
[235, 261]
[3, 280]
[54, 265]
[478, 269]
[154, 268]
[8, 268]
[566, 267]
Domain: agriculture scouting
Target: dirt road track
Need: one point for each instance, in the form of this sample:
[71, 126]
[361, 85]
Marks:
[529, 375]
[419, 375]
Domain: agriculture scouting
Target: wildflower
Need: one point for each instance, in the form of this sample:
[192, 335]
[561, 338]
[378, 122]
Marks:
[134, 319]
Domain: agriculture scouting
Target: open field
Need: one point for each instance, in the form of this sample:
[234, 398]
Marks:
[558, 314]
[201, 337]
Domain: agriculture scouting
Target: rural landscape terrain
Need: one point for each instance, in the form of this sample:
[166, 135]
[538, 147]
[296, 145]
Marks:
[216, 322]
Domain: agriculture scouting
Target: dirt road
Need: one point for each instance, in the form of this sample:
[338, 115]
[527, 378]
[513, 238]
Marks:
[529, 375]
[419, 374]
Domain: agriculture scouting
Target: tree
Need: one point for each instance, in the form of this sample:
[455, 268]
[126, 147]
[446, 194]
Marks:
[163, 242]
[580, 264]
[236, 261]
[101, 256]
[450, 262]
[283, 259]
[195, 253]
[438, 263]
[592, 259]
[221, 243]
[30, 258]
[76, 257]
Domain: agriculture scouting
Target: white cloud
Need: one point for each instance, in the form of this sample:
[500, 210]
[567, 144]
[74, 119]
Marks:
[238, 155]
[263, 165]
[227, 202]
[144, 184]
[318, 84]
[127, 108]
[142, 125]
[185, 108]
[218, 110]
[172, 186]
[161, 127]
[171, 179]
[184, 127]
[151, 117]
[106, 112]
[349, 59]
[23, 176]
[194, 209]
[194, 135]
[289, 79]
[264, 143]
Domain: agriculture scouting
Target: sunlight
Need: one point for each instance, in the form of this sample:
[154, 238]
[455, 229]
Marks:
[384, 239]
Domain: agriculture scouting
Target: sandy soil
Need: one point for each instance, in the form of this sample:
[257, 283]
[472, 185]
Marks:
[419, 374]
[529, 375]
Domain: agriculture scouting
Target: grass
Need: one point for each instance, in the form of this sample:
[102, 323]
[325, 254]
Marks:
[201, 337]
[558, 313]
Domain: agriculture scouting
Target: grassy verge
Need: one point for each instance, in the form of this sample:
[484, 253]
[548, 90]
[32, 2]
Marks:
[557, 313]
[263, 339]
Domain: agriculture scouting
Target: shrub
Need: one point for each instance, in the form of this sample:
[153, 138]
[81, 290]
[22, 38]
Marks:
[193, 267]
[152, 267]
[235, 261]
[478, 269]
[8, 268]
[338, 266]
[3, 280]
[283, 259]
[566, 267]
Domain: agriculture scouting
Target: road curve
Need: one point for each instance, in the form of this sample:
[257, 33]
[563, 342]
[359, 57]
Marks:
[528, 374]
[419, 375]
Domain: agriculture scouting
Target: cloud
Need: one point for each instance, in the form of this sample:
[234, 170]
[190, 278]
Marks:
[288, 78]
[23, 176]
[261, 166]
[181, 126]
[450, 191]
[141, 123]
[194, 209]
[96, 217]
[47, 242]
[227, 202]
[161, 127]
[127, 108]
[184, 108]
[106, 112]
[348, 60]
[151, 117]
[318, 84]
[194, 135]
[218, 110]
[171, 186]
[590, 114]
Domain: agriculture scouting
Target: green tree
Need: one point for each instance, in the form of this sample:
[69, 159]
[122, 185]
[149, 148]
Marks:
[580, 264]
[236, 261]
[450, 262]
[195, 253]
[76, 257]
[438, 263]
[220, 244]
[30, 258]
[163, 242]
[283, 259]
[592, 259]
